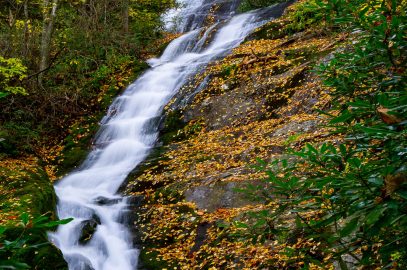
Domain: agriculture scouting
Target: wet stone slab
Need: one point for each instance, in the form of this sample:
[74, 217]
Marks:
[221, 195]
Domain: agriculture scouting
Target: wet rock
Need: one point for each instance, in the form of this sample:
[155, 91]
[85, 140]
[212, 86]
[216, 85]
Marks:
[79, 262]
[152, 125]
[136, 200]
[148, 261]
[241, 108]
[346, 262]
[170, 126]
[295, 127]
[96, 219]
[201, 236]
[126, 217]
[106, 201]
[219, 195]
[131, 184]
[88, 230]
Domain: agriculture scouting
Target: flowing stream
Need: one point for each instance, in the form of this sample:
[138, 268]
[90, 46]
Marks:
[127, 133]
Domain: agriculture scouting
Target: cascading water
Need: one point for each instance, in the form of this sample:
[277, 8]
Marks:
[89, 194]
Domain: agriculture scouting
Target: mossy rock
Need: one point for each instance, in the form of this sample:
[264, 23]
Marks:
[171, 127]
[44, 255]
[152, 163]
[148, 261]
[33, 188]
[77, 143]
[247, 5]
[271, 30]
[71, 159]
[279, 95]
[36, 196]
[88, 230]
[303, 52]
[168, 194]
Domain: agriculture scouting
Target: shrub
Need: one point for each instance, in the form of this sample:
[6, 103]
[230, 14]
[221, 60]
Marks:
[352, 197]
[247, 5]
[12, 71]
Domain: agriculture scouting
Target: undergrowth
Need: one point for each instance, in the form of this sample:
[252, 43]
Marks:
[349, 197]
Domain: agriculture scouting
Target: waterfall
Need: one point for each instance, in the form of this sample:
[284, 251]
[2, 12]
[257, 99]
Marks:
[89, 194]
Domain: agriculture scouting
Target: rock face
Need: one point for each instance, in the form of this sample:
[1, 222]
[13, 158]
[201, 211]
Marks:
[107, 201]
[219, 195]
[218, 113]
[250, 106]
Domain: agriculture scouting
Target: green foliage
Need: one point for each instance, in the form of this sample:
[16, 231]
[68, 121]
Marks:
[12, 71]
[247, 5]
[301, 16]
[306, 14]
[345, 200]
[350, 197]
[96, 48]
[16, 137]
[26, 240]
[27, 201]
[228, 70]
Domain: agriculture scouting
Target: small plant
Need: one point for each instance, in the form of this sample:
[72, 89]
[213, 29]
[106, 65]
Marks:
[24, 239]
[306, 14]
[12, 71]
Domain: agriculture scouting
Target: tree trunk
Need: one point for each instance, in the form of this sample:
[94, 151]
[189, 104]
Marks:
[126, 16]
[10, 18]
[105, 14]
[24, 45]
[50, 10]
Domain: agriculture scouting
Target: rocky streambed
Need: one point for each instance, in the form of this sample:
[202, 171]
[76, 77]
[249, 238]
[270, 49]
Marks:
[254, 104]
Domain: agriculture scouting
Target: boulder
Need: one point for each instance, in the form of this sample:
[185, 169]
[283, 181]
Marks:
[88, 229]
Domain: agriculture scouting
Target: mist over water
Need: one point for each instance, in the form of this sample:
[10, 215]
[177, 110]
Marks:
[126, 135]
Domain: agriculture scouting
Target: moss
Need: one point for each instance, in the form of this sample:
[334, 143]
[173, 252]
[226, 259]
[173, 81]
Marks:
[169, 194]
[271, 30]
[72, 158]
[32, 187]
[43, 255]
[173, 123]
[228, 70]
[151, 163]
[149, 260]
[247, 5]
[25, 187]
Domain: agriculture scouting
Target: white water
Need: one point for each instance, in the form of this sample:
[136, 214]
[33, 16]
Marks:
[125, 138]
